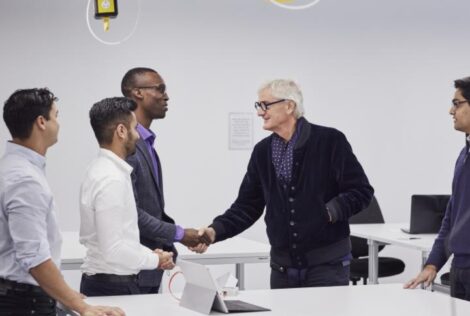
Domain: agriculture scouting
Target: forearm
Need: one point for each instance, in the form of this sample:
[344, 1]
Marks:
[235, 220]
[350, 202]
[51, 281]
[155, 229]
[439, 253]
[136, 257]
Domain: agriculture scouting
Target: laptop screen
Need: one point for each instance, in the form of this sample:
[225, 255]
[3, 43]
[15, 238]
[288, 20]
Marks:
[427, 212]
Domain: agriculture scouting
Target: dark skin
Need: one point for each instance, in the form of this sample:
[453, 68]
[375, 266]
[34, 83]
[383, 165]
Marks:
[152, 104]
[152, 101]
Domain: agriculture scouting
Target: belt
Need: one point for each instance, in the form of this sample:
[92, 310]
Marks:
[114, 278]
[20, 287]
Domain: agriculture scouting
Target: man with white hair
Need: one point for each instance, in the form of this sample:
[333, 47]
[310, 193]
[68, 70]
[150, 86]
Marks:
[310, 182]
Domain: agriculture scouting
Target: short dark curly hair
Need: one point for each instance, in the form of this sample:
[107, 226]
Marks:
[129, 80]
[23, 107]
[106, 114]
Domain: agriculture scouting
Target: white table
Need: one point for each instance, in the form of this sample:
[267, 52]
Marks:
[381, 234]
[236, 250]
[372, 300]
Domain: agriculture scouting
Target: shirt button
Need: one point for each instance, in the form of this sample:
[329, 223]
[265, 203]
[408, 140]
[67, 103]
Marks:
[299, 263]
[291, 223]
[294, 234]
[291, 199]
[284, 186]
[294, 246]
[292, 188]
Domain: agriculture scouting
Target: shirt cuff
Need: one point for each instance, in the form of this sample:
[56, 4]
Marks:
[179, 233]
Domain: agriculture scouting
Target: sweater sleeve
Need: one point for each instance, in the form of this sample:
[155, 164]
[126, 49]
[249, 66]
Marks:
[439, 254]
[247, 208]
[355, 190]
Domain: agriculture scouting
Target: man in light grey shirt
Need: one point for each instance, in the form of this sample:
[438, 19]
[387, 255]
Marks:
[30, 240]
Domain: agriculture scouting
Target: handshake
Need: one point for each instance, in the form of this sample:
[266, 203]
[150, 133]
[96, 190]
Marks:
[195, 240]
[198, 240]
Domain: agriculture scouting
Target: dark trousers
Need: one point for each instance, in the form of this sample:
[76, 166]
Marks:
[24, 299]
[330, 274]
[148, 289]
[460, 283]
[94, 285]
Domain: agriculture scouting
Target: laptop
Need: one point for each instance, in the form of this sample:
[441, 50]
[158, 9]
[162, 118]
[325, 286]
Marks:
[202, 294]
[427, 212]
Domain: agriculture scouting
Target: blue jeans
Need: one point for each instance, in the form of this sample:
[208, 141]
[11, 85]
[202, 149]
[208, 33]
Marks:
[329, 274]
[460, 283]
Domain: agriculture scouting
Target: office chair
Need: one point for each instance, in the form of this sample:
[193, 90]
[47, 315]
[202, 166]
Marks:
[360, 250]
[445, 279]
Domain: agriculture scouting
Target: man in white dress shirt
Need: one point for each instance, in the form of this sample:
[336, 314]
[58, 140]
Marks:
[108, 210]
[30, 241]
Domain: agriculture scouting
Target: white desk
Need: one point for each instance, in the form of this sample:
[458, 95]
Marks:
[236, 251]
[373, 300]
[379, 234]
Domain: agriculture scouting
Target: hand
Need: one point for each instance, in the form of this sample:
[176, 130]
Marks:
[207, 237]
[102, 311]
[191, 237]
[426, 276]
[165, 261]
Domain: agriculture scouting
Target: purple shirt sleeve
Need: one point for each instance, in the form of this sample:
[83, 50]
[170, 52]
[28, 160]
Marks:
[179, 234]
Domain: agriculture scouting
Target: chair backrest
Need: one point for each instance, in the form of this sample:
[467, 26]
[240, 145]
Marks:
[370, 215]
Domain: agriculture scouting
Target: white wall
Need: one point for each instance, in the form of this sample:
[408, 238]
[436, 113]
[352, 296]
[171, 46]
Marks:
[380, 71]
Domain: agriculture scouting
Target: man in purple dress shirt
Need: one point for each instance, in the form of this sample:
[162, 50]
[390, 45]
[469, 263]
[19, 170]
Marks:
[157, 230]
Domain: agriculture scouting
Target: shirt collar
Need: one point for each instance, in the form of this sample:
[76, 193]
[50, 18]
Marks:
[120, 163]
[146, 134]
[31, 155]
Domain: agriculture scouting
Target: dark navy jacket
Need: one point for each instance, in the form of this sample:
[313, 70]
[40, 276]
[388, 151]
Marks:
[326, 174]
[157, 229]
[454, 234]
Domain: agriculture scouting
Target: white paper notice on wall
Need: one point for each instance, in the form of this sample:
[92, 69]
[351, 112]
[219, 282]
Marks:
[240, 131]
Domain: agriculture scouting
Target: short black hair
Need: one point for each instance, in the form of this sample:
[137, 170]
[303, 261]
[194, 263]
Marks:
[464, 86]
[129, 80]
[23, 107]
[106, 114]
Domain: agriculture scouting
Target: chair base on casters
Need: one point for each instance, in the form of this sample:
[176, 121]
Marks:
[387, 267]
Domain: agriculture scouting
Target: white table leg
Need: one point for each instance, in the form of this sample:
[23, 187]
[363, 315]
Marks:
[373, 261]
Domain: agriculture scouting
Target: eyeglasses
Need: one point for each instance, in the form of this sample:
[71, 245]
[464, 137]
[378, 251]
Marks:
[265, 106]
[160, 88]
[457, 103]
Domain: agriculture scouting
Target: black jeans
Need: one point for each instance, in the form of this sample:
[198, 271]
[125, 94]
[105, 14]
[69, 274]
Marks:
[91, 286]
[329, 274]
[460, 283]
[30, 300]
